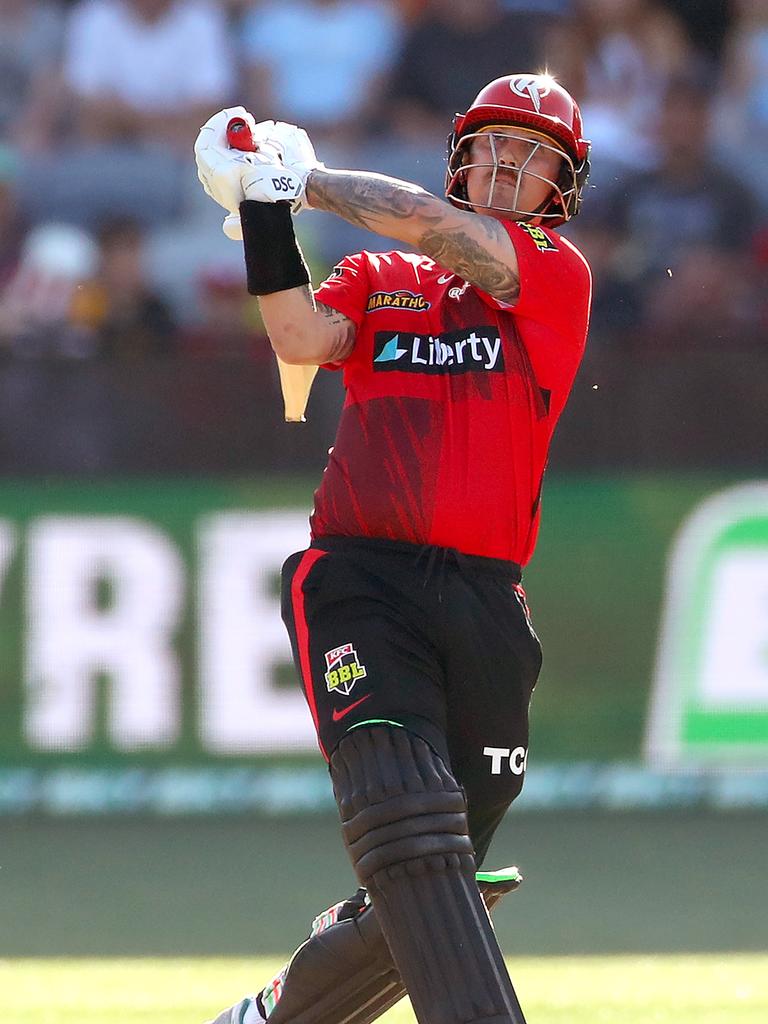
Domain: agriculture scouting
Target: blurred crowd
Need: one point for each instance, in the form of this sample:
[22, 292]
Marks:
[109, 249]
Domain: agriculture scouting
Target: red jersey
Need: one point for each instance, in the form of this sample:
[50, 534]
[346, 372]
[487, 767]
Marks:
[452, 397]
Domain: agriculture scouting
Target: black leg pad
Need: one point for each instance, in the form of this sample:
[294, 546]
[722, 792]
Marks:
[405, 826]
[344, 972]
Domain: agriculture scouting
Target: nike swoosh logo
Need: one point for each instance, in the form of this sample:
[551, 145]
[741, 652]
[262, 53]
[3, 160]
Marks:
[445, 278]
[338, 715]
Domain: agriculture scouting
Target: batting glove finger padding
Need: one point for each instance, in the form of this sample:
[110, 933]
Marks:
[276, 169]
[219, 168]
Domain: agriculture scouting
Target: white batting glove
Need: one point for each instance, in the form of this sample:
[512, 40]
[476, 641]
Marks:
[264, 183]
[295, 150]
[276, 172]
[230, 175]
[220, 168]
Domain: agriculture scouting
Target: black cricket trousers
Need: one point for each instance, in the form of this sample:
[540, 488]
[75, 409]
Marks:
[426, 638]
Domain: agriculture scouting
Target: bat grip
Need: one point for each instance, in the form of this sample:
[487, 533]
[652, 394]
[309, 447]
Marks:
[239, 136]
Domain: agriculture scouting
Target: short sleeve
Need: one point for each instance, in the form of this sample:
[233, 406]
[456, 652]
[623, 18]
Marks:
[346, 288]
[555, 280]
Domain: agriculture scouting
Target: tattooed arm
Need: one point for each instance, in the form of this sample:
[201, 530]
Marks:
[475, 247]
[303, 331]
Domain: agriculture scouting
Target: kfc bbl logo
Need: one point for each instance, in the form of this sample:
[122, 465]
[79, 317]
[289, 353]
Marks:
[540, 238]
[344, 669]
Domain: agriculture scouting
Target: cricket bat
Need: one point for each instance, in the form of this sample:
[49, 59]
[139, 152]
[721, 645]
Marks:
[295, 381]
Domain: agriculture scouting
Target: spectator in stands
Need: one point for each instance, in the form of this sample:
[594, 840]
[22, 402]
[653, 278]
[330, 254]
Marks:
[742, 110]
[30, 51]
[318, 63]
[618, 58]
[229, 324]
[688, 199]
[38, 298]
[616, 294]
[710, 300]
[452, 52]
[683, 222]
[761, 281]
[119, 307]
[147, 70]
[12, 228]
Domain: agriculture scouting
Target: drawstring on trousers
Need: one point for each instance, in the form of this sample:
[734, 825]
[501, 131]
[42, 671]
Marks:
[436, 559]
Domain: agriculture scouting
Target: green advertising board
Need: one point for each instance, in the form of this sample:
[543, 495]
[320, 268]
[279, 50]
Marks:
[140, 622]
[710, 696]
[143, 663]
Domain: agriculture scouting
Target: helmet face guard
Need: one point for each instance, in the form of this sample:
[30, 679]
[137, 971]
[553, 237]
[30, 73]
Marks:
[529, 108]
[556, 208]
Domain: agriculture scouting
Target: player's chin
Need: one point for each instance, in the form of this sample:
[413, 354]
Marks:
[503, 197]
[499, 214]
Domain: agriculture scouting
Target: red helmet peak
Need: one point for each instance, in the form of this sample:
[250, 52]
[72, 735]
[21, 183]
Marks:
[528, 101]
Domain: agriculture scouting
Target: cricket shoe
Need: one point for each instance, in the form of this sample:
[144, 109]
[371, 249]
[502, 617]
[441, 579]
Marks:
[244, 1012]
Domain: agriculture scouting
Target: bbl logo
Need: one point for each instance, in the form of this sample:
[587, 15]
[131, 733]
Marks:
[344, 669]
[541, 239]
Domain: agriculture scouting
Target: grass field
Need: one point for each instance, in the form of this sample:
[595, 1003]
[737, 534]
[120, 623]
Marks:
[726, 989]
[596, 884]
[95, 916]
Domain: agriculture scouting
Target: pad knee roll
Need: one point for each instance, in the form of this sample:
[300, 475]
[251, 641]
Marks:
[401, 809]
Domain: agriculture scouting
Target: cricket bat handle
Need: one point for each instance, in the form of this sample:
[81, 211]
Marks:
[295, 381]
[239, 136]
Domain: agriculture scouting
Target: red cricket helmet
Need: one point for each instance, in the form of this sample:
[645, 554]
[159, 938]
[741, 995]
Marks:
[540, 104]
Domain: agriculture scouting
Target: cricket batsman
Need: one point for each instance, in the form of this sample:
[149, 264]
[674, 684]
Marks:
[406, 614]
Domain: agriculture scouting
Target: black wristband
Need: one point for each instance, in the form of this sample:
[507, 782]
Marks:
[273, 259]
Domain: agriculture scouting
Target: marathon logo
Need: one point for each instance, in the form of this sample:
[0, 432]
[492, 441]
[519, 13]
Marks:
[397, 300]
[540, 238]
[467, 351]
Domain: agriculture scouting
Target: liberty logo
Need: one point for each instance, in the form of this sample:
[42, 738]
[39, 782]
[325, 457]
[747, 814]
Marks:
[453, 352]
[534, 87]
[391, 351]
